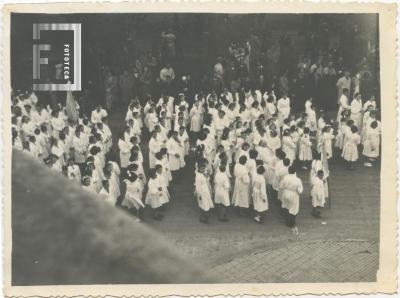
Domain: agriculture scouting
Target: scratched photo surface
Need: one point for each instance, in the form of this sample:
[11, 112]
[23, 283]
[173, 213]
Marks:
[195, 148]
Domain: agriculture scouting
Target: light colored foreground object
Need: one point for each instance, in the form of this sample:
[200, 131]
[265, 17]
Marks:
[64, 235]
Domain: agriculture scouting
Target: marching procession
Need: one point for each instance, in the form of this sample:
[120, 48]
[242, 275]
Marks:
[248, 147]
[238, 110]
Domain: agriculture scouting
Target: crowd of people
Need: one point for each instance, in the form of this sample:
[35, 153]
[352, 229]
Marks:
[248, 149]
[254, 59]
[252, 122]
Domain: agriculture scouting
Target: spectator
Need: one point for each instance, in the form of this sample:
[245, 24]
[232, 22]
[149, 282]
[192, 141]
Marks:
[343, 83]
[146, 79]
[111, 89]
[284, 84]
[168, 46]
[167, 77]
[126, 85]
[219, 69]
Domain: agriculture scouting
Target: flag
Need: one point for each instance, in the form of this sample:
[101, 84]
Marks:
[325, 168]
[324, 160]
[71, 107]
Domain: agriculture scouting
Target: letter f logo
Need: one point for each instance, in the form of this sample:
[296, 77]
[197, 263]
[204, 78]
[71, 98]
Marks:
[37, 48]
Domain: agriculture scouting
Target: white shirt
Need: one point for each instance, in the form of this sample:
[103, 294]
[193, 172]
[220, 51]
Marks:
[97, 117]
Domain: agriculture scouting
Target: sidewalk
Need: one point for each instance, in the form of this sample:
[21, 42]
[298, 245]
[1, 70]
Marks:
[322, 261]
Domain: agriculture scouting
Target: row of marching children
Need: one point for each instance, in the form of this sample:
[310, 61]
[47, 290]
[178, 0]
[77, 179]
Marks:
[165, 121]
[358, 124]
[260, 145]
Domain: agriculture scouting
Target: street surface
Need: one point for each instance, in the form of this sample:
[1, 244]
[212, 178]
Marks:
[342, 246]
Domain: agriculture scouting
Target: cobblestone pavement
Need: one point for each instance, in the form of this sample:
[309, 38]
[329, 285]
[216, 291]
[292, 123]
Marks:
[321, 261]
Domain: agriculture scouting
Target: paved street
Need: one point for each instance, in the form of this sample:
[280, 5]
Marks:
[343, 246]
[319, 261]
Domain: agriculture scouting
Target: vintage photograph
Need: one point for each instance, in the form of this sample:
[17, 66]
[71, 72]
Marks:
[195, 147]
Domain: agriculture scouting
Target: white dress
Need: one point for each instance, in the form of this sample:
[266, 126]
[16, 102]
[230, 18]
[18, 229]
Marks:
[273, 144]
[221, 189]
[202, 192]
[350, 150]
[133, 196]
[260, 199]
[124, 152]
[305, 151]
[326, 142]
[241, 192]
[289, 147]
[74, 173]
[175, 163]
[79, 145]
[59, 152]
[195, 118]
[281, 173]
[292, 188]
[356, 115]
[339, 137]
[371, 143]
[164, 175]
[115, 190]
[311, 121]
[157, 195]
[343, 105]
[184, 140]
[318, 194]
[154, 147]
[99, 166]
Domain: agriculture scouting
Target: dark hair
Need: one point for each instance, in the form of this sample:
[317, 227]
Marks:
[104, 182]
[253, 154]
[292, 169]
[222, 156]
[316, 155]
[261, 170]
[280, 153]
[286, 162]
[164, 151]
[242, 159]
[94, 150]
[153, 174]
[134, 156]
[132, 177]
[374, 124]
[159, 155]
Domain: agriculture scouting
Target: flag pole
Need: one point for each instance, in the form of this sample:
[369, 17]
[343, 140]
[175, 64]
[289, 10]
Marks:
[329, 193]
[325, 164]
